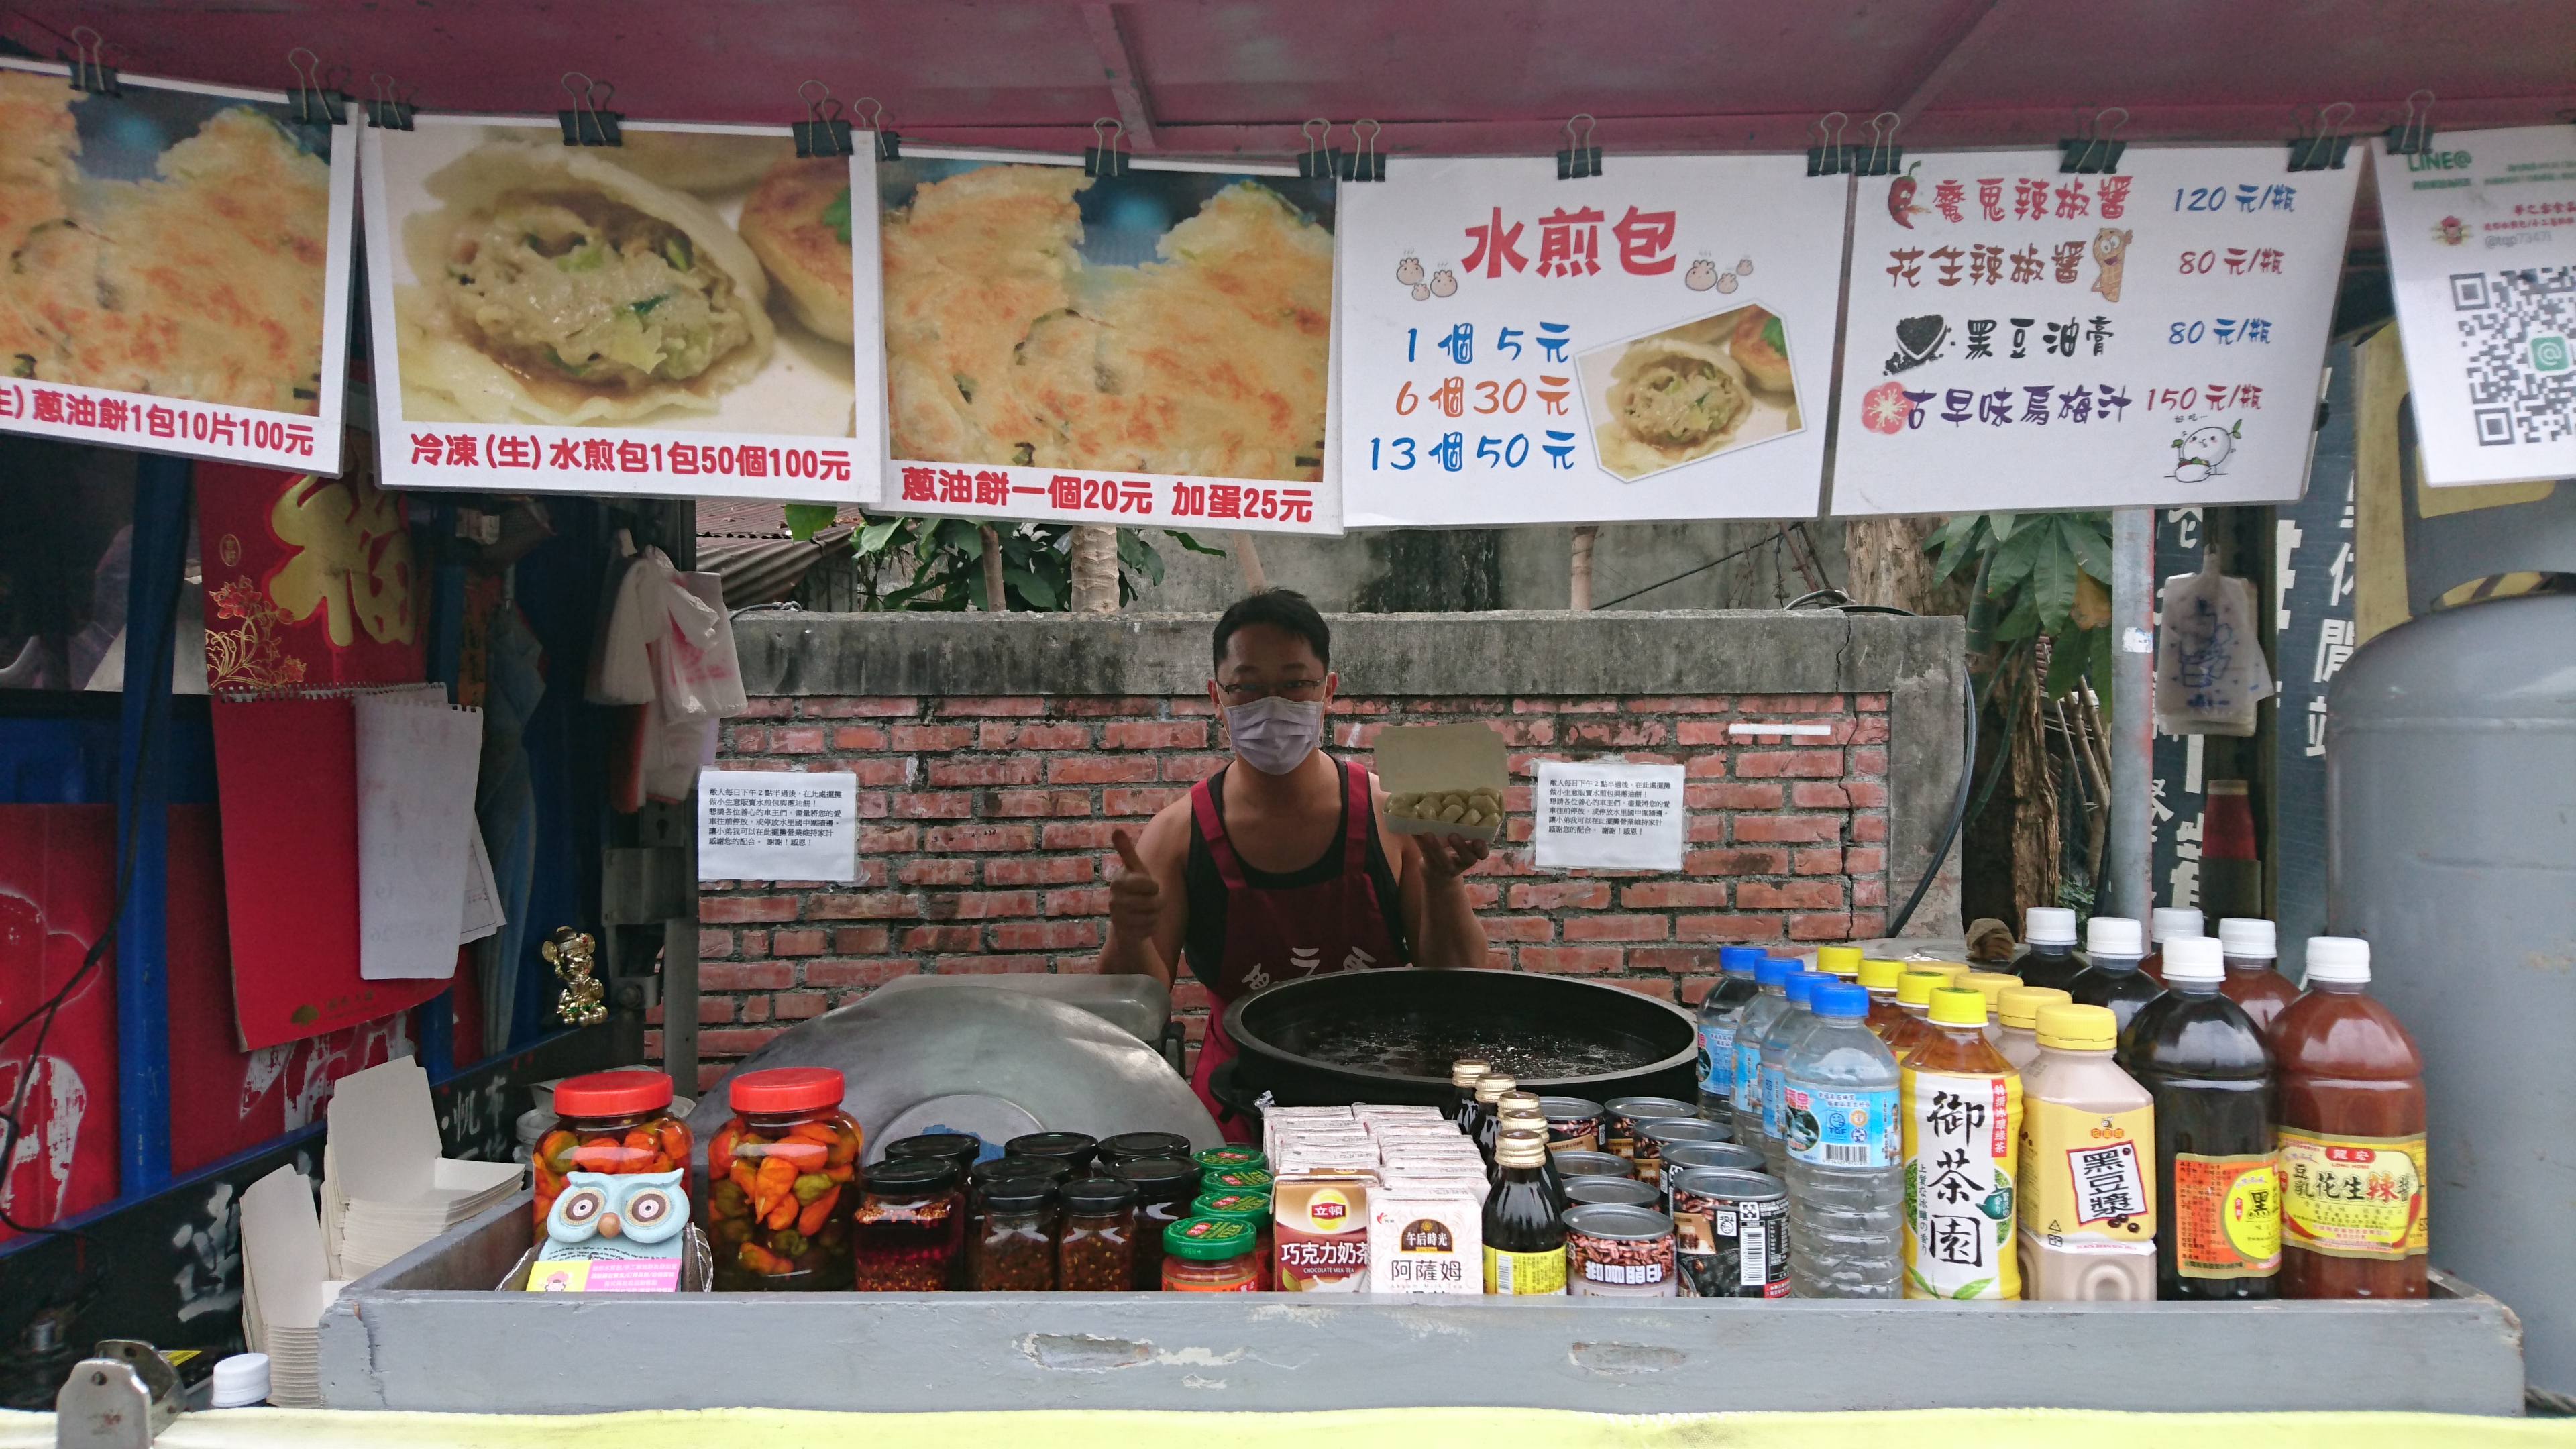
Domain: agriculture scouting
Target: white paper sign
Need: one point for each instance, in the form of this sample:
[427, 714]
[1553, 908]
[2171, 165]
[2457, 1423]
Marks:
[1608, 816]
[2482, 255]
[765, 825]
[1652, 343]
[2017, 338]
[416, 769]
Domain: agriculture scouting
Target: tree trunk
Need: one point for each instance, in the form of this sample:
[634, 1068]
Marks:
[2035, 844]
[1095, 570]
[997, 597]
[1248, 559]
[1432, 571]
[1580, 598]
[1887, 565]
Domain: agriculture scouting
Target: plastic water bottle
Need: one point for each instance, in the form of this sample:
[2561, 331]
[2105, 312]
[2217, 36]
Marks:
[1718, 1013]
[1845, 1147]
[1771, 977]
[1784, 1031]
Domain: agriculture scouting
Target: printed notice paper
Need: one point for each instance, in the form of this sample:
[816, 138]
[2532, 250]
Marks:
[1608, 816]
[764, 825]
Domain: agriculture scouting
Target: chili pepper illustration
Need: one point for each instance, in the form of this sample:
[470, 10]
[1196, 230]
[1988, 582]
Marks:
[1900, 199]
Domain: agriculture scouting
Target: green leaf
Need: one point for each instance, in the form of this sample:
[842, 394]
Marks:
[2013, 562]
[837, 216]
[872, 539]
[2003, 525]
[2052, 578]
[1036, 590]
[2092, 551]
[2072, 657]
[804, 520]
[2102, 663]
[1193, 545]
[1971, 1290]
[2022, 622]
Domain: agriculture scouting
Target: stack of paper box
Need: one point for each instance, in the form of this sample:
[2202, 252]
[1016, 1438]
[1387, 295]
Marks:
[385, 1188]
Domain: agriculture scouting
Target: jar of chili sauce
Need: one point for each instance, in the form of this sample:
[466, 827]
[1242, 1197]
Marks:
[1097, 1253]
[610, 1122]
[781, 1183]
[911, 1227]
[1210, 1255]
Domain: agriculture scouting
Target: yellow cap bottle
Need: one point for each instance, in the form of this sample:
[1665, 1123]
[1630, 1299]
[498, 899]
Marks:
[2064, 1027]
[1842, 961]
[1954, 1006]
[1879, 975]
[2017, 1018]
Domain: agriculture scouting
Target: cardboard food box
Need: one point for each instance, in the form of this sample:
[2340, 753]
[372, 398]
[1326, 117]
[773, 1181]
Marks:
[1321, 1228]
[1440, 761]
[1425, 1240]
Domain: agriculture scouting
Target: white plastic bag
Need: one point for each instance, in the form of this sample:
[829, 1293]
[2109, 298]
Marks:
[2209, 655]
[638, 615]
[698, 677]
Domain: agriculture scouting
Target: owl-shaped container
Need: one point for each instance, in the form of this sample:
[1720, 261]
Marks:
[601, 1215]
[614, 1123]
[782, 1181]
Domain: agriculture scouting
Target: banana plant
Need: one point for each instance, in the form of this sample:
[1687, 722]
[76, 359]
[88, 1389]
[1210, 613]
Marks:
[938, 563]
[2038, 574]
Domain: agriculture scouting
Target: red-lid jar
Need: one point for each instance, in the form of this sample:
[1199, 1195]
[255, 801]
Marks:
[613, 1122]
[782, 1178]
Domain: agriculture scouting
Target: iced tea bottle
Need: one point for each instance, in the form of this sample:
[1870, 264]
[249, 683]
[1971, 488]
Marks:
[1914, 1007]
[1960, 1102]
[2048, 956]
[2087, 1200]
[2251, 946]
[1840, 962]
[2169, 923]
[1991, 985]
[2354, 1198]
[2114, 980]
[2218, 1180]
[1878, 977]
[2017, 1017]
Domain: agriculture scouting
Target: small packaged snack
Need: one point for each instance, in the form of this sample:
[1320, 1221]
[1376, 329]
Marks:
[1443, 779]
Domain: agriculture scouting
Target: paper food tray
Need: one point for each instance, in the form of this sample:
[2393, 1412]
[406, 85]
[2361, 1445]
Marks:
[1415, 758]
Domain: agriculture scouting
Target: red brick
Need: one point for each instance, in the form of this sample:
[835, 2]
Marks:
[1565, 706]
[1188, 994]
[1813, 795]
[796, 740]
[980, 837]
[911, 738]
[1865, 862]
[1519, 928]
[1820, 928]
[713, 945]
[722, 909]
[1016, 706]
[936, 872]
[1727, 928]
[1869, 890]
[1560, 895]
[1819, 895]
[1045, 935]
[1036, 804]
[1088, 835]
[1570, 960]
[1870, 731]
[1040, 870]
[1671, 894]
[947, 805]
[889, 839]
[1704, 767]
[743, 739]
[1660, 990]
[1615, 928]
[1776, 764]
[771, 707]
[1866, 794]
[1536, 733]
[1790, 704]
[943, 938]
[895, 707]
[1136, 802]
[1077, 965]
[987, 965]
[1051, 736]
[1801, 828]
[858, 737]
[1817, 860]
[766, 977]
[1870, 703]
[754, 1008]
[1868, 925]
[1099, 770]
[1681, 704]
[1617, 734]
[1085, 707]
[859, 940]
[737, 1041]
[858, 973]
[1519, 829]
[867, 906]
[1869, 762]
[1695, 989]
[653, 1053]
[1736, 862]
[1702, 732]
[984, 770]
[1731, 796]
[1869, 827]
[1499, 958]
[1190, 769]
[754, 945]
[796, 943]
[1483, 895]
[1704, 828]
[798, 1005]
[881, 771]
[982, 905]
[1093, 901]
[1143, 734]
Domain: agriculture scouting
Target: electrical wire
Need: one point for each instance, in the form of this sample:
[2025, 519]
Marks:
[1958, 803]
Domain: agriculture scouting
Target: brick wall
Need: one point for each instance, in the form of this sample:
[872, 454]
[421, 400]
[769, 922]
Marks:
[985, 823]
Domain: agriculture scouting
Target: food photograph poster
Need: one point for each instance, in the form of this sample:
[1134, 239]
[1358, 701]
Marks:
[1651, 343]
[690, 313]
[180, 259]
[2021, 338]
[1151, 349]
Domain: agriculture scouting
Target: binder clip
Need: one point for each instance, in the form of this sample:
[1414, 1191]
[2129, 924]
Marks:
[2319, 146]
[315, 104]
[1365, 162]
[1580, 158]
[823, 132]
[1829, 157]
[590, 122]
[1102, 157]
[1321, 161]
[1882, 157]
[2414, 135]
[2096, 152]
[91, 74]
[388, 111]
[889, 145]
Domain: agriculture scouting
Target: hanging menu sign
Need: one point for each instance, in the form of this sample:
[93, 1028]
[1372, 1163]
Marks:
[2481, 233]
[2020, 338]
[1651, 343]
[179, 269]
[689, 313]
[1149, 349]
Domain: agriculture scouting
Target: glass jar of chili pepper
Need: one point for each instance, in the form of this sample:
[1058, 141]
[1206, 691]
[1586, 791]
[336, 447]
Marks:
[983, 1175]
[910, 1227]
[962, 1148]
[1252, 1209]
[1015, 1251]
[1128, 1146]
[609, 1122]
[1097, 1253]
[1210, 1255]
[1074, 1149]
[1165, 1188]
[781, 1183]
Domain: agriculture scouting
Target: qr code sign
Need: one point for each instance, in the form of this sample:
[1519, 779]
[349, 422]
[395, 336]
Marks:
[2516, 326]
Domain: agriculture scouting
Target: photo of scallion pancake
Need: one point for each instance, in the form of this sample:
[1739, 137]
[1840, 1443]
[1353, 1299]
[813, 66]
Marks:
[1206, 356]
[797, 221]
[203, 281]
[1685, 393]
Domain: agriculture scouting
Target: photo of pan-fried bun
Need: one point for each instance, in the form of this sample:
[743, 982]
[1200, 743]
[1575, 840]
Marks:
[1760, 347]
[797, 221]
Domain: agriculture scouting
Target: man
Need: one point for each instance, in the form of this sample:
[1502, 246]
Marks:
[1280, 865]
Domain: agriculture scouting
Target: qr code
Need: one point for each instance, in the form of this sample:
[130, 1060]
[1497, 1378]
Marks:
[2516, 327]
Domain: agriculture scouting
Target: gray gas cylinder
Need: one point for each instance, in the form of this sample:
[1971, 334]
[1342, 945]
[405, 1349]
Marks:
[2451, 811]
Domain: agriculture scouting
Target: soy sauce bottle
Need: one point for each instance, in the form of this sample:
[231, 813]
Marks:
[2114, 980]
[2050, 957]
[2218, 1236]
[1524, 1238]
[1484, 1116]
[1464, 1074]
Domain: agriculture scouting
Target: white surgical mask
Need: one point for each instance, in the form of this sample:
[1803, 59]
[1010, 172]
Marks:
[1275, 735]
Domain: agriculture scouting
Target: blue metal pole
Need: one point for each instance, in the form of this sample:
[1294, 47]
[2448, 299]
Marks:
[446, 647]
[160, 551]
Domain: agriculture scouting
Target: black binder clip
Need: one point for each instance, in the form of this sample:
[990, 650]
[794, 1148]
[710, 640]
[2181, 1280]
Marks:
[1365, 162]
[1829, 157]
[388, 111]
[1102, 157]
[91, 74]
[889, 145]
[2096, 152]
[1882, 156]
[1321, 160]
[315, 104]
[2414, 135]
[823, 132]
[2319, 146]
[1580, 158]
[590, 122]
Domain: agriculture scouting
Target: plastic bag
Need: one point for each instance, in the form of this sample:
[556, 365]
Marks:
[637, 615]
[699, 678]
[2209, 655]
